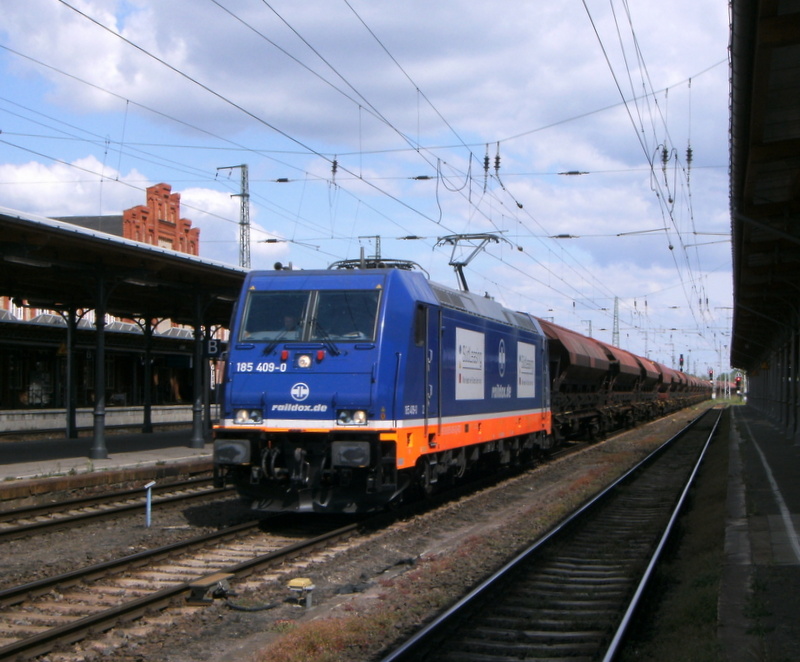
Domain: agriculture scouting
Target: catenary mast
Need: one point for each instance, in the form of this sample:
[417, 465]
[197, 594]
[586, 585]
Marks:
[244, 215]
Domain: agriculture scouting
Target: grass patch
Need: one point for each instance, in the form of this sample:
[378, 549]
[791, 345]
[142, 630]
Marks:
[331, 639]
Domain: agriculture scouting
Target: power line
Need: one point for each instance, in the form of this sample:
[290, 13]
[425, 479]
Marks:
[508, 211]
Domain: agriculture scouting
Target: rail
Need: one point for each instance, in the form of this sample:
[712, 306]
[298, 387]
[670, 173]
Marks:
[64, 514]
[46, 639]
[574, 591]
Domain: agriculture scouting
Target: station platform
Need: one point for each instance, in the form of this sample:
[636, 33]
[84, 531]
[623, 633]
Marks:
[759, 600]
[29, 459]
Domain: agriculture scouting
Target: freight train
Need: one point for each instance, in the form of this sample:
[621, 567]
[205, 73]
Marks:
[349, 388]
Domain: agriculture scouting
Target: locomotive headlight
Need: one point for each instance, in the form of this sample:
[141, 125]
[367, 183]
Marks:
[304, 361]
[351, 417]
[245, 416]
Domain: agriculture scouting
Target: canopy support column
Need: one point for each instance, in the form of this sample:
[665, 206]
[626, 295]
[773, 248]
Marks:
[98, 450]
[198, 437]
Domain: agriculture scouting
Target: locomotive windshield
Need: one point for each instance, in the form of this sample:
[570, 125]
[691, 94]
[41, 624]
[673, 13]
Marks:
[345, 315]
[316, 315]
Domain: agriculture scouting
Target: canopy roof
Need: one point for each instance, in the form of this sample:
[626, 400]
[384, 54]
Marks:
[57, 265]
[765, 176]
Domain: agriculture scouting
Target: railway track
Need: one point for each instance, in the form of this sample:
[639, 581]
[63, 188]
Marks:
[31, 520]
[37, 617]
[572, 594]
[46, 614]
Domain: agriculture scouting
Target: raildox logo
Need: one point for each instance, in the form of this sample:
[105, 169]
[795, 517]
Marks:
[501, 358]
[300, 391]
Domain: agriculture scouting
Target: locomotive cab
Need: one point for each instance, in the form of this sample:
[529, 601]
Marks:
[307, 407]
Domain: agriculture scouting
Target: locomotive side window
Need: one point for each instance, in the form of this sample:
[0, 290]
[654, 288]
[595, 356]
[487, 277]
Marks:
[345, 315]
[420, 325]
[274, 316]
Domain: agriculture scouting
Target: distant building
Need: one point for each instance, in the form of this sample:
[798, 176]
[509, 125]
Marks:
[157, 223]
[107, 224]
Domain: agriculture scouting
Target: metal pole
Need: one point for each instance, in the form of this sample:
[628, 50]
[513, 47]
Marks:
[148, 502]
[70, 400]
[147, 392]
[198, 435]
[99, 450]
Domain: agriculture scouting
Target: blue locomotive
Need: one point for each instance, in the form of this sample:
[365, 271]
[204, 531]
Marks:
[347, 388]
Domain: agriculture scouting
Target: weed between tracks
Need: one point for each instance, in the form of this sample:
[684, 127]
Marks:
[329, 640]
[360, 634]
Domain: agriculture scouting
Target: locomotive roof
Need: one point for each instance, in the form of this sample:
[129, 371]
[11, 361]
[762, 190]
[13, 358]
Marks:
[483, 306]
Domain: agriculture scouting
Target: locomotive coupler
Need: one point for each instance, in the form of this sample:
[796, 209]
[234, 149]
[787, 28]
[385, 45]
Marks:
[301, 469]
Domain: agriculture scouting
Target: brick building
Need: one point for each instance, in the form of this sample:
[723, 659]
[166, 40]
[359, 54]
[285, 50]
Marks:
[158, 222]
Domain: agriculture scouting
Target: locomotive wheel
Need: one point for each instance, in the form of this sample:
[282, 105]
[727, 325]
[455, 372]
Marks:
[460, 464]
[425, 477]
[325, 491]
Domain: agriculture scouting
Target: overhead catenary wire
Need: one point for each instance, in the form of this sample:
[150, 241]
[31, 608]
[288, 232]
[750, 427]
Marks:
[667, 210]
[170, 67]
[506, 212]
[234, 104]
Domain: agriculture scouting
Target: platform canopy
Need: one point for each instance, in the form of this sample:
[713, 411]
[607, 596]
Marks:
[57, 265]
[765, 177]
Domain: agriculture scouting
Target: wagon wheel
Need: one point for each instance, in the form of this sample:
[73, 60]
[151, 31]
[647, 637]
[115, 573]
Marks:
[594, 430]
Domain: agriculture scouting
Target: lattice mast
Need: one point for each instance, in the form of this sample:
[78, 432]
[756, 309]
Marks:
[244, 215]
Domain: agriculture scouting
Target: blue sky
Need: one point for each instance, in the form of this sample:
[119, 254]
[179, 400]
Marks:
[101, 99]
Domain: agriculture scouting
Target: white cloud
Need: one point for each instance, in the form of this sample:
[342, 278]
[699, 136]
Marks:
[80, 188]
